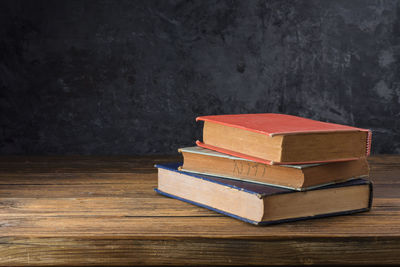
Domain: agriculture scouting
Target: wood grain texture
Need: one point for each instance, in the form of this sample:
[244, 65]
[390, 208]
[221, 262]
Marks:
[104, 211]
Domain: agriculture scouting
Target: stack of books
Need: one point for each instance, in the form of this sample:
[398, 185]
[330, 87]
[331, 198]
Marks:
[273, 168]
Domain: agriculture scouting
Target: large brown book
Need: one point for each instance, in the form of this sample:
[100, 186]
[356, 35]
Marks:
[262, 204]
[298, 177]
[283, 139]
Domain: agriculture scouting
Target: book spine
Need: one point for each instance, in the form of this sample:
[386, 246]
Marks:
[371, 194]
[265, 223]
[369, 140]
[264, 161]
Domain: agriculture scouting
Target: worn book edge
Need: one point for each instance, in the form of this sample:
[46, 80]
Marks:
[260, 160]
[171, 168]
[213, 153]
[261, 223]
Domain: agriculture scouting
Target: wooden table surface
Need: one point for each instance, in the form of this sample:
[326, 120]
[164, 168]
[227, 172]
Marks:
[104, 211]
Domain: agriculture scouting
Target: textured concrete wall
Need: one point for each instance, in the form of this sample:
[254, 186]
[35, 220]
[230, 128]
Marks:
[129, 77]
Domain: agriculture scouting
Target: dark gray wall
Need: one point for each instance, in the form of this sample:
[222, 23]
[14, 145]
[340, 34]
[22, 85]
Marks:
[129, 77]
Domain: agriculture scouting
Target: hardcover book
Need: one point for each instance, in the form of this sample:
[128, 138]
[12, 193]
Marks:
[298, 177]
[261, 204]
[283, 139]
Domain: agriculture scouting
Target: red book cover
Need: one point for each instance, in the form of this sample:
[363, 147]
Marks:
[276, 124]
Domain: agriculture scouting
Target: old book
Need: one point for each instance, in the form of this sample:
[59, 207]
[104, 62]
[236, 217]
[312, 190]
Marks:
[283, 139]
[298, 177]
[261, 204]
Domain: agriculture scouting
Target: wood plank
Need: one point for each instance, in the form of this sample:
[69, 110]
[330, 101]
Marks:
[375, 223]
[156, 206]
[78, 185]
[77, 178]
[63, 191]
[70, 164]
[102, 251]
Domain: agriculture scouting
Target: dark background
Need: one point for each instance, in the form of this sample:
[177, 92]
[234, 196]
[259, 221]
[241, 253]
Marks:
[129, 77]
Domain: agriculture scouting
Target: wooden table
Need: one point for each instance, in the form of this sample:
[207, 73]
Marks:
[103, 211]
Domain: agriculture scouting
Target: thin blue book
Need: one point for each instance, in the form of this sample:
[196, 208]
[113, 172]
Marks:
[262, 204]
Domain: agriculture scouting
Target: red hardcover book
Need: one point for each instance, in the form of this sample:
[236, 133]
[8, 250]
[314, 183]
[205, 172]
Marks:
[283, 139]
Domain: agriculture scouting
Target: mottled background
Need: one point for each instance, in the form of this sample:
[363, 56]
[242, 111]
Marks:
[129, 77]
